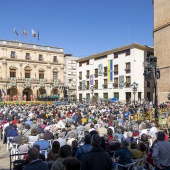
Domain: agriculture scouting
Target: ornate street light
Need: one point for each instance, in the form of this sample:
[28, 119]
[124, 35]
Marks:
[134, 89]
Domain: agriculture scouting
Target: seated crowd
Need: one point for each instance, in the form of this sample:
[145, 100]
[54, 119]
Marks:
[93, 139]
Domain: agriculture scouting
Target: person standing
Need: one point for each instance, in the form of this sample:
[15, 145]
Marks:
[161, 152]
[97, 158]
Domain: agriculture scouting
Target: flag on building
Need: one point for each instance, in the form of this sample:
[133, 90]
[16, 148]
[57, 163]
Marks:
[110, 70]
[34, 33]
[24, 32]
[38, 36]
[15, 31]
[3, 91]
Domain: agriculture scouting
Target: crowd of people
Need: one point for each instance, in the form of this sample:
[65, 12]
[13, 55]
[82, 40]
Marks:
[93, 137]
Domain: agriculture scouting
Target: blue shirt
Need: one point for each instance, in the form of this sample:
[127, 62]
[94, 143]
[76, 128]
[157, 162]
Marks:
[12, 133]
[44, 144]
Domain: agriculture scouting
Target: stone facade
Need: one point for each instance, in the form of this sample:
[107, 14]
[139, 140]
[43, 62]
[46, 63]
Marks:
[30, 69]
[162, 45]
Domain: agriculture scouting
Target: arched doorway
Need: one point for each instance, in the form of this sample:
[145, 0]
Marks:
[41, 91]
[54, 91]
[27, 92]
[12, 91]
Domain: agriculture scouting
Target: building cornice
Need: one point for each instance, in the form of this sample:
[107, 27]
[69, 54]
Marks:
[30, 61]
[32, 47]
[134, 45]
[162, 26]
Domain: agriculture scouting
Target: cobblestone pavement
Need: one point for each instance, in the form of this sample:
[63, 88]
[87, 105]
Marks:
[4, 157]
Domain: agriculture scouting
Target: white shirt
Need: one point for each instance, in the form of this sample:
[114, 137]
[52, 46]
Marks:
[153, 132]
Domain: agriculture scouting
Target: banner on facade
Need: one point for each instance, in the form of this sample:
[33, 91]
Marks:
[55, 82]
[91, 79]
[83, 84]
[121, 81]
[110, 70]
[100, 69]
[42, 83]
[27, 82]
[13, 81]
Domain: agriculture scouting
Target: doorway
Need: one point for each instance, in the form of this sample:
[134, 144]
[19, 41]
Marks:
[27, 92]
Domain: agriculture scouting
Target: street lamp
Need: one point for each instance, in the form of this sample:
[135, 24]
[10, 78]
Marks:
[92, 90]
[134, 89]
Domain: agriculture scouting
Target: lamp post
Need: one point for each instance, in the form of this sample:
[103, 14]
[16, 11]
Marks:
[92, 90]
[134, 89]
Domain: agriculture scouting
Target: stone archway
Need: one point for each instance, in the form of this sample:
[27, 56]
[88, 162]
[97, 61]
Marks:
[13, 91]
[41, 91]
[54, 91]
[27, 92]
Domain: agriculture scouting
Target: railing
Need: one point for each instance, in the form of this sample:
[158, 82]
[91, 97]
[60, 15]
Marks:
[127, 85]
[96, 75]
[105, 74]
[80, 77]
[105, 86]
[127, 70]
[115, 85]
[96, 87]
[87, 76]
[27, 57]
[31, 45]
[115, 72]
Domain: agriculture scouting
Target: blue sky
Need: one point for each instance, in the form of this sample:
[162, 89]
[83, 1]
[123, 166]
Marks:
[80, 27]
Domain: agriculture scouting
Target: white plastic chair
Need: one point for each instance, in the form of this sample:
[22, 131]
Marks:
[139, 165]
[80, 135]
[128, 166]
[8, 142]
[45, 152]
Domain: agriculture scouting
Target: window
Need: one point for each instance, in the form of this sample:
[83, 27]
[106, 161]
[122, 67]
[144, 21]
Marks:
[127, 52]
[127, 67]
[27, 75]
[105, 71]
[12, 73]
[116, 95]
[116, 82]
[13, 54]
[80, 85]
[115, 69]
[87, 74]
[96, 84]
[27, 57]
[87, 62]
[96, 72]
[105, 83]
[55, 76]
[80, 75]
[41, 75]
[148, 84]
[105, 95]
[115, 55]
[55, 59]
[128, 81]
[87, 85]
[40, 57]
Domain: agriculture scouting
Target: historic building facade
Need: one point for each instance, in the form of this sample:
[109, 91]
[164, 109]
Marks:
[111, 73]
[70, 74]
[30, 69]
[162, 45]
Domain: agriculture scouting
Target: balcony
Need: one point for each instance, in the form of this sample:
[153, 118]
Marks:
[115, 85]
[80, 77]
[28, 57]
[96, 87]
[41, 59]
[80, 88]
[13, 56]
[128, 70]
[87, 87]
[87, 76]
[116, 72]
[105, 86]
[96, 75]
[55, 60]
[128, 84]
[105, 74]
